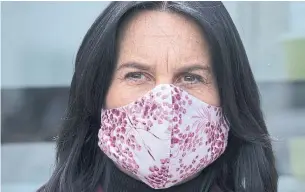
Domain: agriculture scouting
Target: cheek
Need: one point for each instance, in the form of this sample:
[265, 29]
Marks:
[208, 95]
[112, 98]
[120, 95]
[213, 98]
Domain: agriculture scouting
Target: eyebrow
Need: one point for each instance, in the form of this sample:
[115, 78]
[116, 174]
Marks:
[145, 67]
[135, 65]
[194, 67]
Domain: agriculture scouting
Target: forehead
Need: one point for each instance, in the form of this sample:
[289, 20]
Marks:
[157, 34]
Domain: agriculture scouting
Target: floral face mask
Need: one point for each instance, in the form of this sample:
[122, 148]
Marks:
[164, 137]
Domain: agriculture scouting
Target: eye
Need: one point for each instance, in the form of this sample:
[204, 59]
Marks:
[134, 75]
[191, 78]
[137, 77]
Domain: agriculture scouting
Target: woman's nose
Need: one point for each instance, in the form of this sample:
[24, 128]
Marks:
[164, 79]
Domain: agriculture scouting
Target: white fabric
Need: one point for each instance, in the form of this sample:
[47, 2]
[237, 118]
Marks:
[164, 137]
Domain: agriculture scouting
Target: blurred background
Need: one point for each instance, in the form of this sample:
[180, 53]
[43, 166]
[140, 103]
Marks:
[39, 41]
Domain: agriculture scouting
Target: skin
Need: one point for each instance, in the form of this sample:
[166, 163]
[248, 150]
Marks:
[161, 48]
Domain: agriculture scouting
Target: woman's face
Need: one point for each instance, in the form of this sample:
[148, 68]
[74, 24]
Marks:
[161, 48]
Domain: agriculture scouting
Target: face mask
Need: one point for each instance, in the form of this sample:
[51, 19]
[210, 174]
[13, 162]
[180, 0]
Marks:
[165, 137]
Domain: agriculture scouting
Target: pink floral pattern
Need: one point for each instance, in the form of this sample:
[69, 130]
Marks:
[164, 137]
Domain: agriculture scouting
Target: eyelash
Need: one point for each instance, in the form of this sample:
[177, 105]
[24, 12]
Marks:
[195, 76]
[129, 76]
[198, 78]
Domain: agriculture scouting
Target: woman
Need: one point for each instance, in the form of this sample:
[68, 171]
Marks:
[163, 98]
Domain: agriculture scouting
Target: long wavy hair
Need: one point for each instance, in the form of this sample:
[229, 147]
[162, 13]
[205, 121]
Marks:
[248, 162]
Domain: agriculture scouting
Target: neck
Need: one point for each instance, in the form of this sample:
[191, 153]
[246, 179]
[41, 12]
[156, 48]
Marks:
[114, 180]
